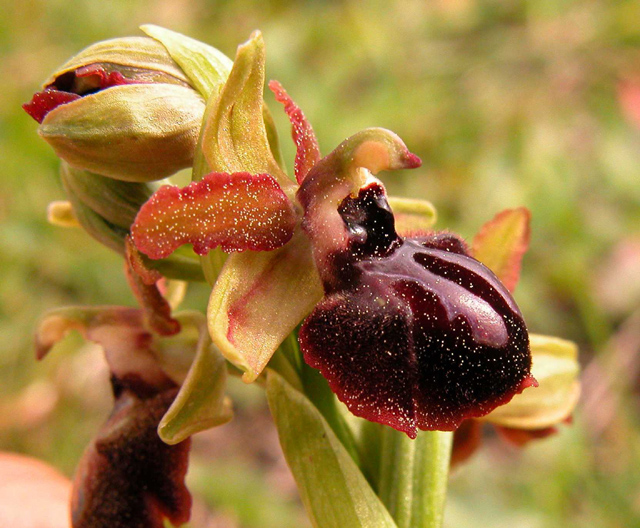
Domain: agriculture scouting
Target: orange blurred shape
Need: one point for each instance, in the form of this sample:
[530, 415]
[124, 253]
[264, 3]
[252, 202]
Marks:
[32, 494]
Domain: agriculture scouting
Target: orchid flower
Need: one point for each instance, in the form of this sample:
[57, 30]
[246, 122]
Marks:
[322, 282]
[409, 331]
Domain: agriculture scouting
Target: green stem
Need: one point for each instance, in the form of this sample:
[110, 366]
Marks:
[413, 477]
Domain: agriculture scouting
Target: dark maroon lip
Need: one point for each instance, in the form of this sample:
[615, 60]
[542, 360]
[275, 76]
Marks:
[414, 333]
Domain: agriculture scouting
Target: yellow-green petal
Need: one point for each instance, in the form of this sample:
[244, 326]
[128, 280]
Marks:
[555, 366]
[259, 299]
[412, 215]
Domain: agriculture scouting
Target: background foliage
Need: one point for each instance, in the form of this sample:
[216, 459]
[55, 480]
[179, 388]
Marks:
[525, 102]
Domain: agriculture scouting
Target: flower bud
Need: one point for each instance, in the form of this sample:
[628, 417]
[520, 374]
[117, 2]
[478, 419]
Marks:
[123, 109]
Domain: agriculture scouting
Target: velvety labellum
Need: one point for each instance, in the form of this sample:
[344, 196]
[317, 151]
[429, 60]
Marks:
[236, 211]
[414, 333]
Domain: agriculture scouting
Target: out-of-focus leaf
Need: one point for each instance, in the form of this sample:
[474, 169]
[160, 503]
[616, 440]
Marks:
[333, 489]
[501, 243]
[555, 366]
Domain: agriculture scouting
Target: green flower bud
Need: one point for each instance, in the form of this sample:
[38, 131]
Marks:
[122, 108]
[135, 132]
[142, 59]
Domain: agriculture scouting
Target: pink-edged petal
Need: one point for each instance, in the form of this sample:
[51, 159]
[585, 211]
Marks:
[259, 299]
[307, 149]
[144, 285]
[43, 102]
[501, 243]
[236, 211]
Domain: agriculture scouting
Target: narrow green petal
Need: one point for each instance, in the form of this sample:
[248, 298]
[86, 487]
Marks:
[258, 299]
[333, 489]
[201, 402]
[234, 138]
[206, 67]
[555, 366]
[413, 216]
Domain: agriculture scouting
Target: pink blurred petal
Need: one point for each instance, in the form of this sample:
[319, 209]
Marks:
[32, 494]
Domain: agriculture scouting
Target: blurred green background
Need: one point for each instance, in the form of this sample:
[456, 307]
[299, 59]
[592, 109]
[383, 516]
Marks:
[508, 103]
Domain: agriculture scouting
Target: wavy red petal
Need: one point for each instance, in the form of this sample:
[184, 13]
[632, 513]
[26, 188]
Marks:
[237, 212]
[307, 150]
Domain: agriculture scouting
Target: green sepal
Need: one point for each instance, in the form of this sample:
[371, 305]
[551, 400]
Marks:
[205, 66]
[234, 138]
[183, 264]
[116, 201]
[201, 403]
[332, 487]
[140, 58]
[131, 132]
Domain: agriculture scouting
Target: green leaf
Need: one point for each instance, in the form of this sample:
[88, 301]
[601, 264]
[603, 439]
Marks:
[201, 402]
[555, 366]
[206, 67]
[333, 489]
